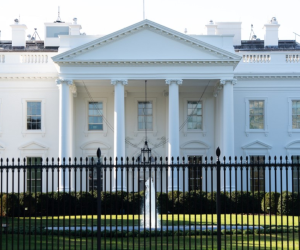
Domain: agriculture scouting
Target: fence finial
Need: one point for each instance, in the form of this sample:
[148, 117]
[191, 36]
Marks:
[98, 153]
[218, 152]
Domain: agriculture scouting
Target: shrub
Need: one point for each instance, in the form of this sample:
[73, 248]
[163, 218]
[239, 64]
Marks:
[288, 204]
[270, 200]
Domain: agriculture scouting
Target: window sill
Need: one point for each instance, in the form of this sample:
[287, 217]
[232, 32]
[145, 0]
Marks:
[195, 131]
[36, 132]
[153, 132]
[92, 132]
[250, 131]
[291, 131]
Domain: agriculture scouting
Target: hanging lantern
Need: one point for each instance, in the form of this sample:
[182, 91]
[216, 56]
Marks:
[146, 154]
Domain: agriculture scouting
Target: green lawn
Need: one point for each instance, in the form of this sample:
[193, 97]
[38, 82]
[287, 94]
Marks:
[236, 241]
[187, 242]
[134, 220]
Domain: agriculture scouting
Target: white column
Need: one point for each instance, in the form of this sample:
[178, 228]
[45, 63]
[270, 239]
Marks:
[173, 144]
[119, 132]
[65, 129]
[228, 130]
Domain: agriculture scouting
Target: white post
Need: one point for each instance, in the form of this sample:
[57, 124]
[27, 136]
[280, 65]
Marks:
[228, 131]
[65, 131]
[119, 133]
[173, 145]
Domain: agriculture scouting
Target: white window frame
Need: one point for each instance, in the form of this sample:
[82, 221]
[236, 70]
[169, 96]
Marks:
[95, 163]
[32, 164]
[247, 120]
[41, 131]
[154, 126]
[261, 188]
[88, 132]
[290, 118]
[185, 116]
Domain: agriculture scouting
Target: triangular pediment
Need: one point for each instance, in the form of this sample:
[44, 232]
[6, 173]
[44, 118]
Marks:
[33, 146]
[257, 145]
[146, 41]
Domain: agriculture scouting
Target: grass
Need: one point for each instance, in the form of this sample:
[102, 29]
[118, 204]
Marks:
[134, 220]
[178, 242]
[235, 241]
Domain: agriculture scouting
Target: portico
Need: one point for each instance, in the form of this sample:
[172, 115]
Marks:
[178, 68]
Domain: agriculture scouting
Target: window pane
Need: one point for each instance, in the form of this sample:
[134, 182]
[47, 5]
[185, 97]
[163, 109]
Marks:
[145, 115]
[95, 118]
[256, 114]
[194, 119]
[34, 118]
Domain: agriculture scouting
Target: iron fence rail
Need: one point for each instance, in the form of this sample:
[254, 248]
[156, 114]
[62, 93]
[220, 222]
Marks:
[84, 204]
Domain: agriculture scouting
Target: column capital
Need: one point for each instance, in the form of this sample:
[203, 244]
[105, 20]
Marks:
[224, 81]
[176, 81]
[60, 81]
[121, 81]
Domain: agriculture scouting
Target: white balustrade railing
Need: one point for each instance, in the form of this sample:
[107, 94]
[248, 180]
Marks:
[33, 58]
[292, 58]
[255, 58]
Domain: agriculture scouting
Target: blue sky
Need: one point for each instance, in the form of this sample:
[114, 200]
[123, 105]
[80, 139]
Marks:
[106, 16]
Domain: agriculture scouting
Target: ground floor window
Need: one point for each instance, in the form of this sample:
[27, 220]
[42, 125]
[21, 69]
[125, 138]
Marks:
[296, 174]
[195, 172]
[257, 173]
[34, 176]
[92, 174]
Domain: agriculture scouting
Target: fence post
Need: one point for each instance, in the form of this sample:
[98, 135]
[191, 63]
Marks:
[218, 152]
[98, 200]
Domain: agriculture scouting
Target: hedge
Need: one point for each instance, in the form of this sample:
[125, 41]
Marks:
[270, 201]
[42, 204]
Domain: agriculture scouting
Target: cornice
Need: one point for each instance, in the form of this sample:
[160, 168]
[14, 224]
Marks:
[26, 77]
[267, 76]
[145, 24]
[148, 62]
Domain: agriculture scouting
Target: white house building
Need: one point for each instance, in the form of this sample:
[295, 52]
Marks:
[71, 93]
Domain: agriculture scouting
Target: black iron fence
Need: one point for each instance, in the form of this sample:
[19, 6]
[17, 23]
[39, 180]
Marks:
[195, 203]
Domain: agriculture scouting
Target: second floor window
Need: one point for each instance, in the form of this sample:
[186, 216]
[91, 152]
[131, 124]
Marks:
[296, 114]
[194, 115]
[34, 115]
[95, 116]
[256, 114]
[145, 116]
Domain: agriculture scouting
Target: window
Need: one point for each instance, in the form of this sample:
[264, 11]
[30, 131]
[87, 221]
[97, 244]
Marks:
[256, 114]
[92, 175]
[95, 116]
[195, 173]
[257, 177]
[296, 174]
[34, 116]
[194, 119]
[34, 176]
[296, 114]
[145, 116]
[57, 31]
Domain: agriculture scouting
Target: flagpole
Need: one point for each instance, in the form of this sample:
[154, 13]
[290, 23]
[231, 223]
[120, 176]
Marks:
[143, 9]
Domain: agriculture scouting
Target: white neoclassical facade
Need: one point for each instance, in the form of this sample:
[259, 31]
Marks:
[72, 93]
